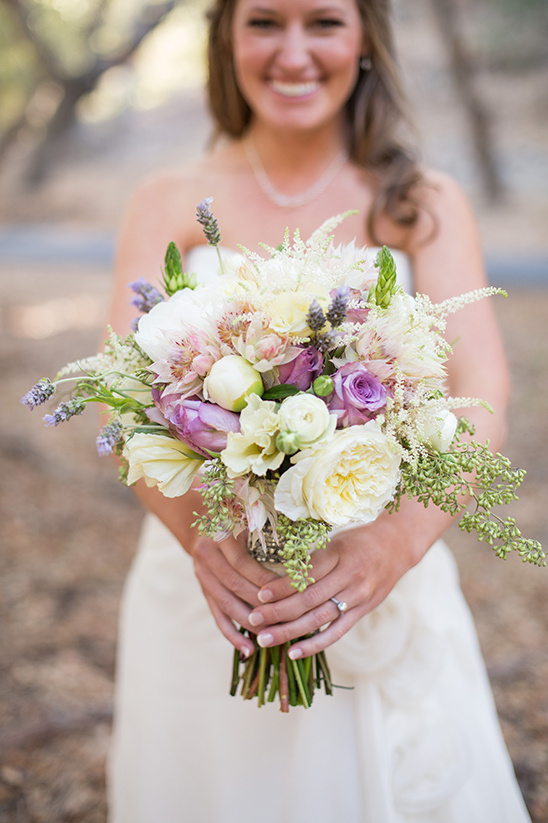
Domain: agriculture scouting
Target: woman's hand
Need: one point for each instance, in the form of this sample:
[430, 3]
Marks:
[359, 567]
[230, 580]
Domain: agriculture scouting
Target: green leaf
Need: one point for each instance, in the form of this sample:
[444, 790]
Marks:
[281, 391]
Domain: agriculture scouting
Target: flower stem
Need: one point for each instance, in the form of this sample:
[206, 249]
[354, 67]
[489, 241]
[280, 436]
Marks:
[284, 681]
[264, 664]
[301, 680]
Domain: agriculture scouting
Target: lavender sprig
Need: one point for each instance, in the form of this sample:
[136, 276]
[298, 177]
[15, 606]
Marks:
[315, 317]
[146, 295]
[65, 411]
[39, 393]
[336, 313]
[109, 436]
[205, 217]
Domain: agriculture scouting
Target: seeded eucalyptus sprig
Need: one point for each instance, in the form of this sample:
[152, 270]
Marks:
[382, 292]
[175, 278]
[470, 470]
[297, 537]
[217, 493]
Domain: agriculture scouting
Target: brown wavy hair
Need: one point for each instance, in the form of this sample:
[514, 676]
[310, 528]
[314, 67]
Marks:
[377, 115]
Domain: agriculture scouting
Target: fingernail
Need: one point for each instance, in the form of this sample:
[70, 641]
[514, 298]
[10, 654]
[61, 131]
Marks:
[265, 639]
[256, 618]
[294, 654]
[245, 652]
[265, 595]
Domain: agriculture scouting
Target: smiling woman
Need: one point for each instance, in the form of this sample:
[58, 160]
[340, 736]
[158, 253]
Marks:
[306, 99]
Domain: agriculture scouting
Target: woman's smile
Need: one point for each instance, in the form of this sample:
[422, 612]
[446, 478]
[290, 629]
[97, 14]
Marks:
[293, 89]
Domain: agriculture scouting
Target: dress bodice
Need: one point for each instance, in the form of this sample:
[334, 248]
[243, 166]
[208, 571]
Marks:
[203, 261]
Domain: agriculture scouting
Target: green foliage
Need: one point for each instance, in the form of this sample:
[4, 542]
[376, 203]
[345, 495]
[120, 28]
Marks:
[469, 469]
[297, 539]
[385, 287]
[218, 497]
[175, 278]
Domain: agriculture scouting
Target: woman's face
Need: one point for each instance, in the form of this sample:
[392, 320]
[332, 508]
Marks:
[296, 61]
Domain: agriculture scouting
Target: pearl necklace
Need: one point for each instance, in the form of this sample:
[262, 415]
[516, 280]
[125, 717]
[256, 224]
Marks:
[288, 201]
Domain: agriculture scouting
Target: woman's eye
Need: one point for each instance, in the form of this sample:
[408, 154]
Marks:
[328, 23]
[263, 23]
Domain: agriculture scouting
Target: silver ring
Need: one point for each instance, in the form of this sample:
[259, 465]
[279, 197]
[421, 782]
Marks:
[340, 604]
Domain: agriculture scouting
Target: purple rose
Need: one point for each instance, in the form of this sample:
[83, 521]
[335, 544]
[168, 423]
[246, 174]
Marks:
[357, 395]
[301, 371]
[202, 426]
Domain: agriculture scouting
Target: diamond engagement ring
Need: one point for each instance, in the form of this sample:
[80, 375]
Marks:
[340, 604]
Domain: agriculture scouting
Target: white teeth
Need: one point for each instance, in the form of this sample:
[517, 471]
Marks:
[294, 89]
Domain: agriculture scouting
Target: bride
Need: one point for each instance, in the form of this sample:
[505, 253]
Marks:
[309, 116]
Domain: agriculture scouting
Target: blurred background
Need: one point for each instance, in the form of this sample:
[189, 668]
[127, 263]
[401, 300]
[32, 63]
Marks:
[95, 94]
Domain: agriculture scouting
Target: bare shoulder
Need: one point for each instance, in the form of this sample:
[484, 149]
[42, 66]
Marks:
[444, 244]
[170, 197]
[443, 207]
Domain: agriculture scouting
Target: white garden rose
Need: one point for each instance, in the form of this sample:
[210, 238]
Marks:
[440, 429]
[253, 448]
[307, 416]
[162, 461]
[347, 479]
[231, 381]
[173, 319]
[288, 311]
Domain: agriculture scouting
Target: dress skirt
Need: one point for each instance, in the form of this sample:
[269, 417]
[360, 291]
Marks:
[412, 738]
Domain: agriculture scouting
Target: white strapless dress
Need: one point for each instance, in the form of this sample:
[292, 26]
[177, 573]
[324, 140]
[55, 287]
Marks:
[415, 739]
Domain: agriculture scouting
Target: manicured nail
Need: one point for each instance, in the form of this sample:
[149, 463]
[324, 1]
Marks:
[265, 639]
[245, 652]
[256, 618]
[265, 595]
[294, 654]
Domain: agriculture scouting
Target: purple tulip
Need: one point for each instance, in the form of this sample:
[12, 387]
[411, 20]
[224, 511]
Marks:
[202, 426]
[303, 370]
[357, 395]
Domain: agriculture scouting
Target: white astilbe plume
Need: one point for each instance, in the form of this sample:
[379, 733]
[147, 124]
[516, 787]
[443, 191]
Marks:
[304, 264]
[116, 366]
[439, 312]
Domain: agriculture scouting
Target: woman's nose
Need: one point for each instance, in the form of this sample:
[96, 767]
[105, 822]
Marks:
[294, 52]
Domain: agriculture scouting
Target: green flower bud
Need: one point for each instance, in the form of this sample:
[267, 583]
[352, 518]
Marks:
[322, 386]
[288, 442]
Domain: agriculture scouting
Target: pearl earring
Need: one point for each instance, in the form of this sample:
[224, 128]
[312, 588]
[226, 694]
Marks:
[366, 64]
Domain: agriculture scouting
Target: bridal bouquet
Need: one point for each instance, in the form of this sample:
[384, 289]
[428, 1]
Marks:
[302, 391]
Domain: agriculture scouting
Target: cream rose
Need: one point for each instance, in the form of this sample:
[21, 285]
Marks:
[253, 448]
[308, 417]
[288, 311]
[162, 461]
[344, 480]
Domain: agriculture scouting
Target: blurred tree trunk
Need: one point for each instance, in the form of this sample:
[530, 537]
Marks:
[446, 13]
[72, 87]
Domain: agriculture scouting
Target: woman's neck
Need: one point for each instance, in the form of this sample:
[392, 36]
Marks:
[293, 162]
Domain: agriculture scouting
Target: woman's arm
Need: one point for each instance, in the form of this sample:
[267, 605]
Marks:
[230, 579]
[361, 566]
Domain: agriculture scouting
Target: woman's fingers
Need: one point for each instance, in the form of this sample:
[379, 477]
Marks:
[297, 604]
[240, 560]
[229, 630]
[228, 563]
[280, 587]
[321, 640]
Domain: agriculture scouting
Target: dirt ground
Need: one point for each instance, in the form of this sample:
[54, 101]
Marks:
[68, 528]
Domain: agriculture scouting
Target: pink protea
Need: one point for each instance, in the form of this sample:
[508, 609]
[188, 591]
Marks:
[264, 349]
[188, 361]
